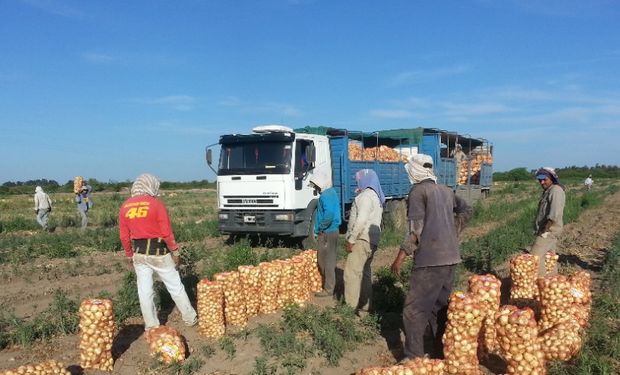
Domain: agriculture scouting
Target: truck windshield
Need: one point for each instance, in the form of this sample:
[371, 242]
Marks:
[255, 158]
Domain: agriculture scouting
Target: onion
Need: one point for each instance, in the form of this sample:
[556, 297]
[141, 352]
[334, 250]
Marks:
[165, 344]
[96, 334]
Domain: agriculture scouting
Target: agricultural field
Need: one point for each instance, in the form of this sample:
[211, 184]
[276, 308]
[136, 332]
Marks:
[45, 275]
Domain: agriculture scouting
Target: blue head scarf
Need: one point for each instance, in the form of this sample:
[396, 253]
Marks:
[367, 178]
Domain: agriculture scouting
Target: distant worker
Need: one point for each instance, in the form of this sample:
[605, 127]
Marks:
[435, 216]
[460, 159]
[146, 236]
[326, 226]
[42, 206]
[588, 183]
[83, 198]
[548, 224]
[362, 239]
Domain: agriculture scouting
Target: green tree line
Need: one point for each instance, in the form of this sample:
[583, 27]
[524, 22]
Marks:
[52, 186]
[572, 172]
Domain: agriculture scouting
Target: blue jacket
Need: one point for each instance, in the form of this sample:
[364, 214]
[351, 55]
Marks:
[327, 212]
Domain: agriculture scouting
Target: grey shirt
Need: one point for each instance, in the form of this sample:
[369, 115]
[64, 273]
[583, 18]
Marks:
[432, 210]
[551, 207]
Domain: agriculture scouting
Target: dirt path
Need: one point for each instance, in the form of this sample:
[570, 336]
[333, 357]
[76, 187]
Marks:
[584, 244]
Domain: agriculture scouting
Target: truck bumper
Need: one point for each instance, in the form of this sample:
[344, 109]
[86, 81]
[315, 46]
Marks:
[280, 223]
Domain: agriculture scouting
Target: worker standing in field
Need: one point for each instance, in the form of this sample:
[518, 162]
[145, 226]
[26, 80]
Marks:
[146, 236]
[362, 239]
[326, 226]
[435, 216]
[588, 183]
[549, 218]
[83, 199]
[42, 206]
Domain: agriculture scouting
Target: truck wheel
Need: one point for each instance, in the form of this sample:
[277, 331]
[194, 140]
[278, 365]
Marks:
[396, 215]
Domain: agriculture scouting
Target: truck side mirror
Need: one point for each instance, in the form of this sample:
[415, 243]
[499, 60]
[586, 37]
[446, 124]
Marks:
[209, 156]
[310, 153]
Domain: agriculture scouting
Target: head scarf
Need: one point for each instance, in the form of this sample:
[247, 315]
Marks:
[548, 172]
[367, 178]
[417, 171]
[321, 179]
[38, 189]
[145, 184]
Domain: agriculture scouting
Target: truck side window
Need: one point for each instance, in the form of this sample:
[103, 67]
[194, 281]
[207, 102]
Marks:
[301, 162]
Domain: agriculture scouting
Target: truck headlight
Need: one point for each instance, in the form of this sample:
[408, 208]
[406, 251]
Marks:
[223, 216]
[284, 217]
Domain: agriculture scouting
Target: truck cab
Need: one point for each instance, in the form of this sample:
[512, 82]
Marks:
[263, 180]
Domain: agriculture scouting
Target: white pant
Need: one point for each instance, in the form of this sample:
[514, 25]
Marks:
[163, 266]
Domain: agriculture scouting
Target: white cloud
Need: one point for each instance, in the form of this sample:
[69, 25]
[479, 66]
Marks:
[54, 7]
[177, 102]
[391, 114]
[100, 58]
[415, 76]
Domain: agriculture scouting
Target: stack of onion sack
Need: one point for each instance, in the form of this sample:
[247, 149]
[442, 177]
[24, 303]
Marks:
[487, 289]
[301, 287]
[46, 368]
[581, 296]
[165, 344]
[285, 288]
[269, 282]
[460, 340]
[382, 153]
[523, 272]
[315, 280]
[234, 301]
[211, 309]
[476, 159]
[77, 184]
[555, 301]
[517, 333]
[562, 341]
[416, 366]
[551, 261]
[96, 334]
[250, 282]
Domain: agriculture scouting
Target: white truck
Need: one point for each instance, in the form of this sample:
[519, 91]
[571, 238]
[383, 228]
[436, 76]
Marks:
[262, 177]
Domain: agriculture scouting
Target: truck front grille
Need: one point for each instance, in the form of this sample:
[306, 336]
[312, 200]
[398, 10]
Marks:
[250, 200]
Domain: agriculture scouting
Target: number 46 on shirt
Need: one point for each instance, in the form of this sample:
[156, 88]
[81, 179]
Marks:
[137, 212]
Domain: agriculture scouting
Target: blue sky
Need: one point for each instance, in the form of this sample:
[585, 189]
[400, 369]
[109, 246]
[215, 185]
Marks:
[112, 89]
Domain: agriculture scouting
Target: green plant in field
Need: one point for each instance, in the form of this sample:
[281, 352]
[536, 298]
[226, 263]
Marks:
[126, 303]
[388, 292]
[391, 237]
[207, 350]
[308, 330]
[188, 367]
[261, 367]
[227, 345]
[240, 254]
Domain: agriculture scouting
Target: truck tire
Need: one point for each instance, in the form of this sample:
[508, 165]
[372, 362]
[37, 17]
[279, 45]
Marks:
[395, 215]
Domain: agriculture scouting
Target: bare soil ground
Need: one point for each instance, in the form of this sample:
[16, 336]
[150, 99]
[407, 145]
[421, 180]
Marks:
[28, 289]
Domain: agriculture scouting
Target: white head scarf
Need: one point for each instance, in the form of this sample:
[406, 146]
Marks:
[38, 189]
[416, 170]
[321, 179]
[145, 184]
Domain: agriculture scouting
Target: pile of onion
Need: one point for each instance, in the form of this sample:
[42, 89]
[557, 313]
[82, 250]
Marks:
[165, 344]
[517, 334]
[315, 280]
[96, 334]
[581, 296]
[487, 289]
[418, 366]
[250, 282]
[562, 341]
[234, 298]
[287, 277]
[524, 272]
[555, 301]
[210, 306]
[51, 367]
[269, 281]
[551, 261]
[460, 340]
